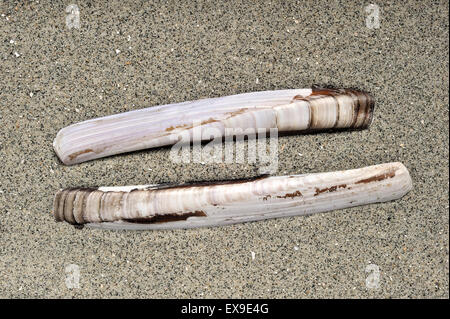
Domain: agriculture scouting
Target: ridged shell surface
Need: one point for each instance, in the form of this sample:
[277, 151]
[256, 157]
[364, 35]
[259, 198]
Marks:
[286, 110]
[215, 204]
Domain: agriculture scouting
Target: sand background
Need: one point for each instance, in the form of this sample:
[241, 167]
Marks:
[52, 76]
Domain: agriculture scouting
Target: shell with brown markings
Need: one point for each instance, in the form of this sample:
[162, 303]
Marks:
[216, 204]
[242, 114]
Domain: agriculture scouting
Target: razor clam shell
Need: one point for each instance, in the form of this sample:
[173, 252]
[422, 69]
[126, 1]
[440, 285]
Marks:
[215, 204]
[286, 110]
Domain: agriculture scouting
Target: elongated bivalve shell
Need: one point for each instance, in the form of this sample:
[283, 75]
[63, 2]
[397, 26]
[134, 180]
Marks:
[215, 204]
[243, 114]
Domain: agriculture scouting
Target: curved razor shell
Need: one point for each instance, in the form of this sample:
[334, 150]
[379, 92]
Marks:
[243, 114]
[216, 204]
